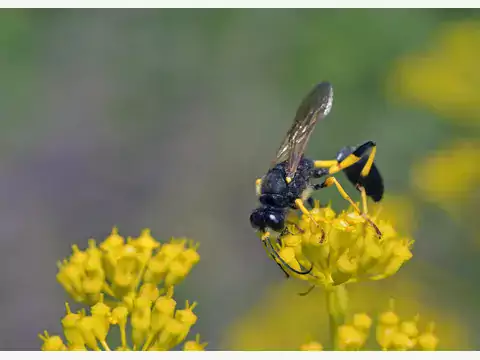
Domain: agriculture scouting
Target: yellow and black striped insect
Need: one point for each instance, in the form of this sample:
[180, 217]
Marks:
[287, 185]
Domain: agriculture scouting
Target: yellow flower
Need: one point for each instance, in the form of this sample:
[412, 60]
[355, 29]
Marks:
[428, 341]
[343, 248]
[350, 338]
[282, 320]
[127, 284]
[311, 346]
[391, 333]
[448, 177]
[52, 343]
[117, 268]
[154, 326]
[195, 345]
[446, 79]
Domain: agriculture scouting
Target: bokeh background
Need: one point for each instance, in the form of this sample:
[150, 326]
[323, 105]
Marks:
[164, 119]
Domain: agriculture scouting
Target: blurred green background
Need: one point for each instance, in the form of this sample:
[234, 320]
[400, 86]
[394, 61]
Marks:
[165, 118]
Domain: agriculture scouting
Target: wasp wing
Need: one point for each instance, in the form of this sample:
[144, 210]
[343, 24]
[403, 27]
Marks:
[316, 105]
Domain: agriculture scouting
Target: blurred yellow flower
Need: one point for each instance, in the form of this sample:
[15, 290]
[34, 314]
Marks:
[342, 248]
[448, 177]
[127, 284]
[282, 320]
[391, 333]
[445, 79]
[311, 346]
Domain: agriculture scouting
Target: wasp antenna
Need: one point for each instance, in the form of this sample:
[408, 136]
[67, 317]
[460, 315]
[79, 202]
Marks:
[276, 256]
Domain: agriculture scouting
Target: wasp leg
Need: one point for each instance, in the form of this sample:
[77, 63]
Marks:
[332, 181]
[278, 259]
[319, 173]
[355, 156]
[258, 186]
[324, 163]
[299, 203]
[364, 198]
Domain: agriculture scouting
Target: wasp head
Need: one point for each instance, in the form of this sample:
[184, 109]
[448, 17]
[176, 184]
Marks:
[268, 217]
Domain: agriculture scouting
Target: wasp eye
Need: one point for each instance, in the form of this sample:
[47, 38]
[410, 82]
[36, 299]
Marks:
[257, 219]
[275, 221]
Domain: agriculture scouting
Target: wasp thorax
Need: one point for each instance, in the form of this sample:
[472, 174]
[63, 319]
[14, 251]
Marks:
[274, 182]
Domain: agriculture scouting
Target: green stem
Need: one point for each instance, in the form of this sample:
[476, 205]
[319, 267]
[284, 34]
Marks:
[337, 302]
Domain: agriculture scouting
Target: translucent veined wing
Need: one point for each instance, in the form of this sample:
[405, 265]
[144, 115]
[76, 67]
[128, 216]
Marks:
[315, 106]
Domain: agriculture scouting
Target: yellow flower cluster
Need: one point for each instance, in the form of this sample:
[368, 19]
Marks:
[391, 334]
[117, 268]
[155, 326]
[449, 176]
[342, 248]
[444, 79]
[127, 284]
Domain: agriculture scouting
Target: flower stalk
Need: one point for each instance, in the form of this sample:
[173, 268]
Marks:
[337, 304]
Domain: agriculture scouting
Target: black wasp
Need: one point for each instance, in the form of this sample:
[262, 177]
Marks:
[287, 184]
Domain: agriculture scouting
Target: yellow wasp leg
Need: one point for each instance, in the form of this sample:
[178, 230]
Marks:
[332, 181]
[301, 206]
[339, 166]
[304, 210]
[324, 163]
[355, 157]
[364, 199]
[258, 186]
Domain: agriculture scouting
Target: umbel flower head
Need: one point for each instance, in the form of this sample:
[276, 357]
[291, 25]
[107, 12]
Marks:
[391, 333]
[127, 284]
[118, 267]
[342, 248]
